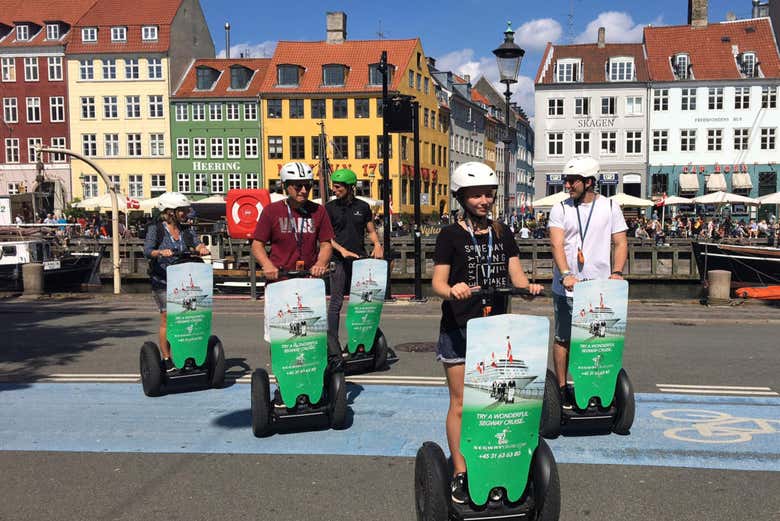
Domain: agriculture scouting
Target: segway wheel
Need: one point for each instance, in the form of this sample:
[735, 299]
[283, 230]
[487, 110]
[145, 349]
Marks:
[546, 484]
[431, 494]
[626, 405]
[338, 400]
[380, 350]
[216, 362]
[551, 408]
[261, 403]
[151, 369]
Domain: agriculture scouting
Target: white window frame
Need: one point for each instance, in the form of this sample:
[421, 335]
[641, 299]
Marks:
[748, 65]
[661, 140]
[217, 147]
[688, 99]
[634, 105]
[110, 107]
[768, 138]
[621, 69]
[217, 183]
[199, 183]
[10, 110]
[234, 147]
[741, 138]
[90, 185]
[582, 143]
[633, 139]
[660, 100]
[555, 138]
[33, 103]
[741, 98]
[234, 181]
[715, 98]
[183, 183]
[133, 102]
[89, 34]
[31, 72]
[111, 145]
[132, 69]
[156, 107]
[119, 33]
[57, 109]
[135, 185]
[149, 33]
[52, 32]
[154, 68]
[608, 137]
[109, 68]
[251, 147]
[87, 104]
[12, 153]
[182, 148]
[199, 148]
[568, 70]
[58, 142]
[250, 111]
[677, 61]
[54, 68]
[582, 106]
[611, 103]
[22, 33]
[86, 70]
[688, 140]
[157, 144]
[769, 97]
[198, 112]
[252, 180]
[158, 183]
[181, 111]
[89, 145]
[714, 140]
[32, 144]
[555, 107]
[232, 112]
[134, 145]
[215, 111]
[8, 69]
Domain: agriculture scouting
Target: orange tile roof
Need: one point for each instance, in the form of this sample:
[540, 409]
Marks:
[594, 60]
[39, 12]
[355, 54]
[221, 88]
[479, 98]
[710, 57]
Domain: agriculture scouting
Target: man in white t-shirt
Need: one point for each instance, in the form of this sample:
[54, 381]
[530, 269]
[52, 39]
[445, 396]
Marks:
[582, 230]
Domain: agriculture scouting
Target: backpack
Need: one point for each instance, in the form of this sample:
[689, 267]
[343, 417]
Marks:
[159, 230]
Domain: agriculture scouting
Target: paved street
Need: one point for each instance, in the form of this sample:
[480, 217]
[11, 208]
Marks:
[78, 440]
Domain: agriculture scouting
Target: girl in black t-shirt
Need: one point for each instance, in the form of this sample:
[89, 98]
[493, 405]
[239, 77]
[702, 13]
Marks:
[472, 252]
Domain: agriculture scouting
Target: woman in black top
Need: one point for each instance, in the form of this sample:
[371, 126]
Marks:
[470, 253]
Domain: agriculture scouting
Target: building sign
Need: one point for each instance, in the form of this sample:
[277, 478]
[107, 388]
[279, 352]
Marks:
[216, 166]
[608, 179]
[555, 179]
[692, 169]
[596, 123]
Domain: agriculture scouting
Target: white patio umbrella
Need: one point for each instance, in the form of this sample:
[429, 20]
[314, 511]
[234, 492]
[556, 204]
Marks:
[149, 204]
[551, 200]
[721, 198]
[629, 201]
[673, 200]
[214, 199]
[770, 199]
[103, 203]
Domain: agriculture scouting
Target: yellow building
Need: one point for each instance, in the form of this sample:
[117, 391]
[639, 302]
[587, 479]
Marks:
[337, 84]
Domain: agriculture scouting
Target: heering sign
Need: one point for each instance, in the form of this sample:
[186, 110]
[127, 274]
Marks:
[717, 169]
[596, 123]
[216, 166]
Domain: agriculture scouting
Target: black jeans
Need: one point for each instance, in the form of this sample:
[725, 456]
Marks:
[340, 279]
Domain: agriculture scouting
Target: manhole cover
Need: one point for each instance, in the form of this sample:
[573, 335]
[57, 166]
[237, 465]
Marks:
[417, 347]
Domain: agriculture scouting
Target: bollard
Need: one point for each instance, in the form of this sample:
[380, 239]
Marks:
[719, 284]
[32, 275]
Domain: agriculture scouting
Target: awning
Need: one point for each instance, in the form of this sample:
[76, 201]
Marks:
[716, 182]
[689, 183]
[741, 181]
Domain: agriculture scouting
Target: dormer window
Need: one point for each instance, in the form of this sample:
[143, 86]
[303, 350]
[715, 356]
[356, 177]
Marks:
[375, 75]
[52, 31]
[239, 77]
[621, 69]
[288, 75]
[119, 34]
[681, 64]
[567, 71]
[205, 77]
[747, 64]
[89, 34]
[333, 75]
[149, 33]
[22, 33]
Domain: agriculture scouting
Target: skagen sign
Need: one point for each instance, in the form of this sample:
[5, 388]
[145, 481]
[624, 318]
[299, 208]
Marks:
[216, 166]
[596, 123]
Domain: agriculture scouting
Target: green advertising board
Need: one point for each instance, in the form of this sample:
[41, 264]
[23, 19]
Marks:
[189, 294]
[598, 328]
[298, 326]
[366, 298]
[506, 364]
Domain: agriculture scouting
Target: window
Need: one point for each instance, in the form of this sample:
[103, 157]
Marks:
[199, 147]
[379, 107]
[742, 97]
[33, 110]
[287, 75]
[234, 147]
[250, 147]
[113, 180]
[58, 142]
[608, 104]
[55, 68]
[634, 105]
[379, 147]
[88, 107]
[155, 106]
[582, 142]
[768, 138]
[149, 33]
[8, 69]
[714, 139]
[52, 32]
[715, 98]
[119, 34]
[217, 147]
[252, 181]
[133, 106]
[111, 145]
[22, 33]
[362, 147]
[199, 183]
[32, 144]
[89, 34]
[318, 108]
[747, 64]
[339, 108]
[741, 137]
[182, 148]
[274, 107]
[333, 75]
[688, 99]
[198, 112]
[425, 117]
[109, 69]
[621, 69]
[688, 140]
[555, 144]
[182, 114]
[234, 181]
[184, 182]
[250, 111]
[89, 145]
[660, 140]
[12, 150]
[411, 79]
[57, 108]
[768, 97]
[660, 100]
[215, 111]
[11, 110]
[86, 70]
[233, 112]
[154, 66]
[426, 88]
[275, 147]
[555, 107]
[340, 147]
[217, 183]
[581, 107]
[90, 185]
[375, 75]
[418, 80]
[566, 71]
[13, 189]
[157, 145]
[158, 184]
[135, 185]
[608, 143]
[681, 66]
[131, 69]
[134, 145]
[297, 147]
[361, 108]
[296, 109]
[633, 142]
[31, 69]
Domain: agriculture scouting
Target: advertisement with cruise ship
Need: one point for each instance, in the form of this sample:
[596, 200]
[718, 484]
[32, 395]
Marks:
[366, 299]
[189, 296]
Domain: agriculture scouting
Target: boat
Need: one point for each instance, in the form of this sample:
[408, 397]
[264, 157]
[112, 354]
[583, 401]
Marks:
[297, 320]
[506, 372]
[596, 320]
[368, 289]
[66, 272]
[749, 265]
[189, 295]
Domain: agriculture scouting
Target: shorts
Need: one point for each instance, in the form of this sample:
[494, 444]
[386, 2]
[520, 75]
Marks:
[562, 305]
[451, 347]
[160, 298]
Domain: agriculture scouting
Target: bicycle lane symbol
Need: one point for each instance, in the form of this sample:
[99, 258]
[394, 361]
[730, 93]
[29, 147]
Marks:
[702, 426]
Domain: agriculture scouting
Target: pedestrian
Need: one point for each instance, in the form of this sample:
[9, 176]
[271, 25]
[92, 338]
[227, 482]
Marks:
[582, 231]
[351, 221]
[473, 251]
[163, 240]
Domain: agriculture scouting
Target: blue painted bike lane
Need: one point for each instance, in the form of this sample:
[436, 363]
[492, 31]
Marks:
[670, 430]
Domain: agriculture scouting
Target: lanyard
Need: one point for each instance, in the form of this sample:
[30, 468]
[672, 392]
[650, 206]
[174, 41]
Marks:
[478, 250]
[180, 242]
[587, 224]
[298, 235]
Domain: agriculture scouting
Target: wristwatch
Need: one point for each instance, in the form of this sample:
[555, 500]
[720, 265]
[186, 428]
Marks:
[564, 275]
[617, 272]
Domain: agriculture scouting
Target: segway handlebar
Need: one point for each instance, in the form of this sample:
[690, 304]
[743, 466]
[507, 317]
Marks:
[293, 274]
[489, 292]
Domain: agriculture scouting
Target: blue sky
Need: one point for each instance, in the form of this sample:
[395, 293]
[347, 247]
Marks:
[460, 34]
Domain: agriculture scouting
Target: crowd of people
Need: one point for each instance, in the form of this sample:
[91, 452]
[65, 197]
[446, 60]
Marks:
[713, 228]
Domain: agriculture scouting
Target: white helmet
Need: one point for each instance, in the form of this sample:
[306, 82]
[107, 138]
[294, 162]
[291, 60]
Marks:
[296, 171]
[173, 200]
[472, 173]
[584, 166]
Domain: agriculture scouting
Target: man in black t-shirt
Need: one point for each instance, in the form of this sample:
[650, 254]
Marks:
[351, 220]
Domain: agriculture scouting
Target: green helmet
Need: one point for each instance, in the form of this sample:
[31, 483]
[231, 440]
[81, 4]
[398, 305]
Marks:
[345, 175]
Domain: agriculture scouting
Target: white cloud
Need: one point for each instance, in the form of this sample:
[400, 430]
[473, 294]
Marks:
[535, 34]
[250, 50]
[620, 28]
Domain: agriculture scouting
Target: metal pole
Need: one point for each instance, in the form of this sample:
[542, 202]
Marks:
[386, 171]
[416, 191]
[507, 144]
[114, 210]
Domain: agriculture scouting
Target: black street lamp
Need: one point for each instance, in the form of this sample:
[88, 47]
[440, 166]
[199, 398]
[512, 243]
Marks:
[508, 55]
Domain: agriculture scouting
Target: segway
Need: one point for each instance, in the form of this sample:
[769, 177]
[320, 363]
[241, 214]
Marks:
[298, 329]
[197, 355]
[366, 349]
[511, 471]
[603, 394]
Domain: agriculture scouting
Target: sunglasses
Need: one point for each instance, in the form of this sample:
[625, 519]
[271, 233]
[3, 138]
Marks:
[300, 186]
[570, 180]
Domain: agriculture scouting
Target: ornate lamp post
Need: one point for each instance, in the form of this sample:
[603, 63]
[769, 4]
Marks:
[508, 55]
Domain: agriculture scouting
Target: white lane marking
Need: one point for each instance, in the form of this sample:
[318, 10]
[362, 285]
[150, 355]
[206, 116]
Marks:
[716, 391]
[132, 378]
[738, 388]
